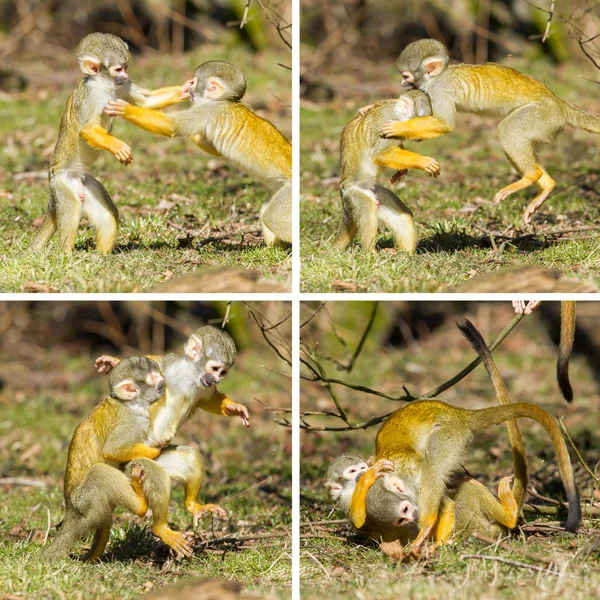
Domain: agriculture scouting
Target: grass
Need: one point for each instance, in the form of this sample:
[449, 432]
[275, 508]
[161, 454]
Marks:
[171, 197]
[335, 564]
[454, 214]
[248, 474]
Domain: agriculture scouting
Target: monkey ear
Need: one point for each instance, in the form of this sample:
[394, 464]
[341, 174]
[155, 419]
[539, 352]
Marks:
[90, 65]
[125, 390]
[395, 484]
[434, 65]
[193, 348]
[215, 88]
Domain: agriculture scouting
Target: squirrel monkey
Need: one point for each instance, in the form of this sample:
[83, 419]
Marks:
[112, 435]
[532, 114]
[191, 382]
[363, 155]
[84, 128]
[565, 345]
[222, 125]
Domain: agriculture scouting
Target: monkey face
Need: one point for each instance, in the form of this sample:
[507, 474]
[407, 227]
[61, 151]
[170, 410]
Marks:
[421, 61]
[118, 73]
[213, 354]
[136, 379]
[217, 80]
[391, 503]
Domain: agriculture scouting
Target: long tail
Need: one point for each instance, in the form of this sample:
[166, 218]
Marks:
[99, 542]
[480, 419]
[565, 347]
[584, 120]
[514, 434]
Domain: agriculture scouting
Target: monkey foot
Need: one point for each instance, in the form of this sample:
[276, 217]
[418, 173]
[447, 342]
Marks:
[176, 540]
[105, 363]
[200, 510]
[431, 166]
[398, 176]
[393, 549]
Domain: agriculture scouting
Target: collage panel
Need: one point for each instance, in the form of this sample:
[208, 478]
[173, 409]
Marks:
[112, 409]
[146, 147]
[411, 484]
[431, 159]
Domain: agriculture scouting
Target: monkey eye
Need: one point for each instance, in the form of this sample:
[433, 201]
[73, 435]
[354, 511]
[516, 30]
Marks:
[223, 372]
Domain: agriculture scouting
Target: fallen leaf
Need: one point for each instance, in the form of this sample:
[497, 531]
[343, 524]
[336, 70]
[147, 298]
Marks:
[165, 205]
[31, 286]
[346, 286]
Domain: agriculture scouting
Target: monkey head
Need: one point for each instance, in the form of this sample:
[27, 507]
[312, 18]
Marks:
[106, 55]
[421, 61]
[216, 80]
[136, 379]
[391, 502]
[342, 475]
[213, 354]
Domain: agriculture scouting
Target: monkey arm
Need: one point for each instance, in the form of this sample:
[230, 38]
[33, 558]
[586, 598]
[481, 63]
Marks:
[98, 138]
[358, 504]
[220, 404]
[125, 454]
[159, 98]
[400, 159]
[421, 128]
[150, 120]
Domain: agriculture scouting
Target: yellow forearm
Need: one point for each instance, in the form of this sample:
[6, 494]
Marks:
[150, 120]
[99, 139]
[136, 451]
[421, 128]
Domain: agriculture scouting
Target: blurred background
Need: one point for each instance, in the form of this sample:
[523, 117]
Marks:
[48, 384]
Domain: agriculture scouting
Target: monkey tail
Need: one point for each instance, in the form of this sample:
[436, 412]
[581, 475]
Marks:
[582, 119]
[99, 542]
[565, 348]
[514, 434]
[480, 419]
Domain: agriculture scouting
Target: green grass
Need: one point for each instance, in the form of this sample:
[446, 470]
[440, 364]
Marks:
[454, 214]
[335, 564]
[248, 474]
[170, 198]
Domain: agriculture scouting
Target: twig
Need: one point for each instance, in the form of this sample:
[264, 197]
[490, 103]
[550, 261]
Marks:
[229, 234]
[245, 15]
[366, 332]
[313, 315]
[334, 522]
[226, 317]
[506, 561]
[22, 481]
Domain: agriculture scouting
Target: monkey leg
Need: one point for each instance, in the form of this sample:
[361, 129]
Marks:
[276, 217]
[157, 489]
[102, 213]
[507, 512]
[73, 529]
[66, 209]
[358, 504]
[400, 159]
[185, 464]
[445, 524]
[398, 218]
[48, 226]
[360, 217]
[521, 133]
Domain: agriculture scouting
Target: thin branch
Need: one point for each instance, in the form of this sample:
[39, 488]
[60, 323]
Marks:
[366, 332]
[579, 457]
[313, 315]
[513, 563]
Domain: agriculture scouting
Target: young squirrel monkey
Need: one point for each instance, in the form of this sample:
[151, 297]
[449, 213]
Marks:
[532, 114]
[427, 439]
[84, 128]
[363, 155]
[470, 507]
[222, 125]
[113, 434]
[191, 382]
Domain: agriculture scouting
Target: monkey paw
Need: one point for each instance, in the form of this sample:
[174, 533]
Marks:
[137, 474]
[431, 166]
[177, 541]
[391, 129]
[115, 108]
[381, 466]
[393, 549]
[234, 410]
[365, 109]
[398, 176]
[200, 510]
[105, 363]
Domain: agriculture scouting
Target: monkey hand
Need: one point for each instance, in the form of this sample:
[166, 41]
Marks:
[431, 166]
[123, 153]
[235, 409]
[392, 129]
[525, 307]
[116, 108]
[105, 363]
[398, 176]
[365, 109]
[381, 466]
[393, 549]
[200, 510]
[186, 87]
